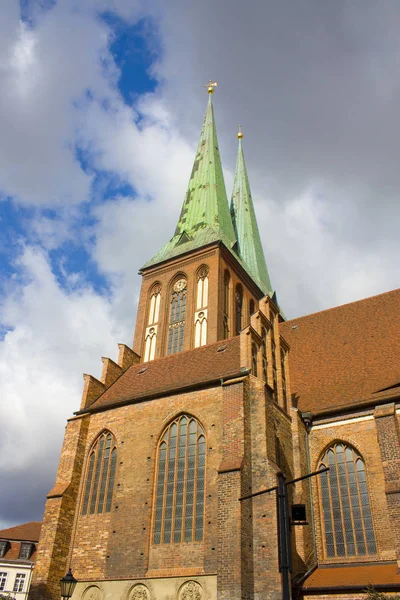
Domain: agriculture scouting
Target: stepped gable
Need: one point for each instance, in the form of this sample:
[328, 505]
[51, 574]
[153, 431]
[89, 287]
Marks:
[28, 532]
[177, 371]
[345, 354]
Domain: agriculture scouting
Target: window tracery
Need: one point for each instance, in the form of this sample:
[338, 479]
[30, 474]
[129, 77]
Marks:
[347, 519]
[177, 317]
[179, 505]
[102, 462]
[200, 316]
[150, 336]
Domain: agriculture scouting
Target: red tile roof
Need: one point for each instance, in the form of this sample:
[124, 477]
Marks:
[178, 371]
[28, 532]
[347, 576]
[342, 355]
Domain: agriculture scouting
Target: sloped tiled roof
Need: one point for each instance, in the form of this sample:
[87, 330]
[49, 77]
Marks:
[178, 371]
[347, 576]
[343, 355]
[27, 532]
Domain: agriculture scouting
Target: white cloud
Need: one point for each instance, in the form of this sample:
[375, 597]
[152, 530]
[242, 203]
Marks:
[311, 112]
[53, 337]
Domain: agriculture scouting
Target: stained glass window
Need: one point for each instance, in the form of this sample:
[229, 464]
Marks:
[345, 504]
[100, 475]
[179, 505]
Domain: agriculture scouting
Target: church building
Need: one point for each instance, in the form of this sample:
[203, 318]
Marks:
[217, 396]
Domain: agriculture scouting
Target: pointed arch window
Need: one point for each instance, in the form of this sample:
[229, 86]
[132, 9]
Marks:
[177, 317]
[273, 357]
[283, 373]
[238, 309]
[252, 308]
[264, 335]
[100, 475]
[179, 505]
[150, 336]
[201, 314]
[346, 511]
[254, 352]
[227, 279]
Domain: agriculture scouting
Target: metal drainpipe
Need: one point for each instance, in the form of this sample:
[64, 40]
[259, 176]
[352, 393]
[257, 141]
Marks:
[307, 420]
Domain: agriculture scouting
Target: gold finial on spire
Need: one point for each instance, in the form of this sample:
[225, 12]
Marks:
[240, 134]
[210, 86]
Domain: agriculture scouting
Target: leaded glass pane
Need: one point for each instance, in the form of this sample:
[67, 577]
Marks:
[100, 476]
[345, 504]
[179, 514]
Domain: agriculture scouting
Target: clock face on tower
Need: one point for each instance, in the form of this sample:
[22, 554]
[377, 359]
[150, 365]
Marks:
[180, 285]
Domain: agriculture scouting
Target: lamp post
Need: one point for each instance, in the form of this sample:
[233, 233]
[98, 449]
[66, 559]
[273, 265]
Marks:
[68, 584]
[284, 525]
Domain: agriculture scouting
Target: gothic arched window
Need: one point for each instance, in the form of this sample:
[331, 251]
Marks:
[252, 308]
[200, 315]
[150, 336]
[347, 519]
[238, 308]
[177, 317]
[179, 505]
[100, 475]
[264, 335]
[254, 352]
[227, 279]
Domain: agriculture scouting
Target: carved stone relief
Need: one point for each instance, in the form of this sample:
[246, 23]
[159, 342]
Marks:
[140, 592]
[191, 590]
[92, 593]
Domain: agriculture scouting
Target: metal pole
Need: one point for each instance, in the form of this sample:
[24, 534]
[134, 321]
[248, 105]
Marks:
[284, 536]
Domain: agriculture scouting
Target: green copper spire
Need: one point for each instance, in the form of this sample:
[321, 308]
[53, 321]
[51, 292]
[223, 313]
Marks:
[245, 224]
[205, 215]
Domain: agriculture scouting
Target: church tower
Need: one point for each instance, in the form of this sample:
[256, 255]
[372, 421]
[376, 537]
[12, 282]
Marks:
[191, 418]
[203, 285]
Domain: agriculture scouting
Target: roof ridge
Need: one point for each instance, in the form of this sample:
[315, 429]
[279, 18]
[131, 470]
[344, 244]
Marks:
[339, 306]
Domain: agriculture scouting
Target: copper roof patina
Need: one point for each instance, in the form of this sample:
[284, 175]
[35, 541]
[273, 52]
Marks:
[245, 225]
[205, 216]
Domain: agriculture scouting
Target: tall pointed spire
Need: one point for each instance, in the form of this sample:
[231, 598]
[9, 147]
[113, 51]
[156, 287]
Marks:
[205, 215]
[245, 225]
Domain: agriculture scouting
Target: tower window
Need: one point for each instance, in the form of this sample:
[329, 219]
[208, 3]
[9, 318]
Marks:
[346, 511]
[238, 309]
[254, 352]
[264, 334]
[177, 317]
[179, 506]
[252, 309]
[200, 317]
[150, 336]
[274, 371]
[100, 476]
[227, 279]
[283, 371]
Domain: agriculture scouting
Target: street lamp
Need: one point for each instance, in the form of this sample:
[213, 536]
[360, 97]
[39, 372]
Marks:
[68, 583]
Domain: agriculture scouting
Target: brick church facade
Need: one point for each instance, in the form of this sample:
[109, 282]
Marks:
[217, 395]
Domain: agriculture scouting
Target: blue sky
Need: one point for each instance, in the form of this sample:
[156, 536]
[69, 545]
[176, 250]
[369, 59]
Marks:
[101, 108]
